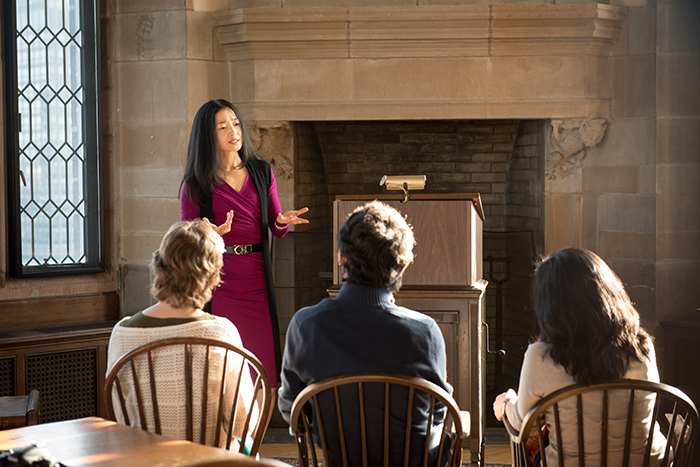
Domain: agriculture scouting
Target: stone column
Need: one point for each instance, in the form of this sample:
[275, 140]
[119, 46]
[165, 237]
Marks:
[566, 210]
[167, 64]
[274, 142]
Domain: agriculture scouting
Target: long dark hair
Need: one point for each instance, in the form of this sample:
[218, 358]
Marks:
[586, 317]
[203, 166]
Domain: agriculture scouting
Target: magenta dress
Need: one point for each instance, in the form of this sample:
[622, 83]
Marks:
[242, 295]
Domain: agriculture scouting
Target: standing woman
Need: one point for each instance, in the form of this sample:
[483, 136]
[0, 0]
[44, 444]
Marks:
[228, 184]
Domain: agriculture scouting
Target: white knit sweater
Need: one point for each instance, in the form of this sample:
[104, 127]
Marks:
[170, 382]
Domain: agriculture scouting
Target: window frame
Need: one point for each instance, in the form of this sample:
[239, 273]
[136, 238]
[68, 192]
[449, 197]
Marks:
[92, 140]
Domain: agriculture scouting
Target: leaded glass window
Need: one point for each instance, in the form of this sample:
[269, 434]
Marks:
[53, 136]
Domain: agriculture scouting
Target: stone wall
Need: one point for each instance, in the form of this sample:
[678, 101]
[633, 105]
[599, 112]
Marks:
[167, 64]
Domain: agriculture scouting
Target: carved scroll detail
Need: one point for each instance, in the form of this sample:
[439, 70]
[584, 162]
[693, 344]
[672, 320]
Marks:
[566, 142]
[273, 142]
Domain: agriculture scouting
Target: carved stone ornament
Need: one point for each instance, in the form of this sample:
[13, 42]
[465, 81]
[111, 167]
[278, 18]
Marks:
[273, 142]
[566, 142]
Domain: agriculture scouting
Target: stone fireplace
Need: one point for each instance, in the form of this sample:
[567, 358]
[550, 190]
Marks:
[500, 100]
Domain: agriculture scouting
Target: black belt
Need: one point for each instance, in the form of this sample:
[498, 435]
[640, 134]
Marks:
[242, 249]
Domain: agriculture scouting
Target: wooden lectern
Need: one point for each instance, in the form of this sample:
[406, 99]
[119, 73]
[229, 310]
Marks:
[444, 282]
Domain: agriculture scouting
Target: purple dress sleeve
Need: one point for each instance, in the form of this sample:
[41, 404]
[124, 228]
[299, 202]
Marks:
[189, 210]
[274, 208]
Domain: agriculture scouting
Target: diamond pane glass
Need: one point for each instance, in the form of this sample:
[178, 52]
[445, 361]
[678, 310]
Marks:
[37, 14]
[37, 63]
[57, 123]
[22, 63]
[55, 57]
[40, 122]
[42, 251]
[51, 139]
[58, 173]
[28, 241]
[55, 17]
[75, 180]
[76, 240]
[59, 238]
[22, 14]
[40, 180]
[72, 16]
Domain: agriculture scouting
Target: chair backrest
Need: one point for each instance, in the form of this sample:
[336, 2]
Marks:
[667, 424]
[377, 419]
[185, 388]
[19, 411]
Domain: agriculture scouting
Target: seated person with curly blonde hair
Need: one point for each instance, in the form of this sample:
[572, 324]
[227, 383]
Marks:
[186, 267]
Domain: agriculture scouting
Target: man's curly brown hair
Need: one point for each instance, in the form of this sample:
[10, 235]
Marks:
[187, 265]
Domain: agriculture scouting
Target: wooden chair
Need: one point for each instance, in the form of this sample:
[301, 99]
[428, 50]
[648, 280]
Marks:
[249, 462]
[132, 387]
[19, 411]
[674, 412]
[339, 412]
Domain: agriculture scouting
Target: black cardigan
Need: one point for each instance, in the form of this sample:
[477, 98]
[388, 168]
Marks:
[260, 174]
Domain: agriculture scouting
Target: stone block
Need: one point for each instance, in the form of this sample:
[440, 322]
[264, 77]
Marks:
[152, 35]
[589, 222]
[560, 212]
[208, 5]
[135, 101]
[153, 145]
[241, 85]
[148, 215]
[628, 245]
[170, 95]
[677, 290]
[200, 35]
[627, 142]
[135, 294]
[632, 86]
[641, 26]
[626, 213]
[676, 212]
[647, 179]
[676, 89]
[138, 248]
[678, 245]
[611, 179]
[678, 27]
[678, 178]
[678, 140]
[149, 182]
[137, 6]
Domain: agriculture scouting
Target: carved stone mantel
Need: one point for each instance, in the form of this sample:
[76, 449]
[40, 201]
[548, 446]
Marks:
[566, 142]
[421, 61]
[273, 142]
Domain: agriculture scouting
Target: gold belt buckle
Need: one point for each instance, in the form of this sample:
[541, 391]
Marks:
[242, 249]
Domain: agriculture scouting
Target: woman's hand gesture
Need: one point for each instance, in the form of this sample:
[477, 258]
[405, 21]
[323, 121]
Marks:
[224, 228]
[292, 217]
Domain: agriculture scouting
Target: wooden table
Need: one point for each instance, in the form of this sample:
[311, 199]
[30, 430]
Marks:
[96, 441]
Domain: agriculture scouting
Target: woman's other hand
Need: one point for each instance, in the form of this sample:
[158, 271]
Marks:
[224, 228]
[292, 217]
[499, 405]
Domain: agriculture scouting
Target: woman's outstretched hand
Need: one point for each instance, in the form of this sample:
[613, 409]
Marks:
[292, 217]
[224, 228]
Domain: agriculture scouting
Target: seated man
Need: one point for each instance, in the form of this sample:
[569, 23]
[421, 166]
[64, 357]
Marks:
[363, 330]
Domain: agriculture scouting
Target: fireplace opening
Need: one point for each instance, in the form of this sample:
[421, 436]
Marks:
[502, 160]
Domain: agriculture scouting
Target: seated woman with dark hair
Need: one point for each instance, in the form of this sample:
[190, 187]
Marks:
[185, 268]
[589, 333]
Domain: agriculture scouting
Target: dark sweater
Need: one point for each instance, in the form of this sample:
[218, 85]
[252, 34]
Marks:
[362, 330]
